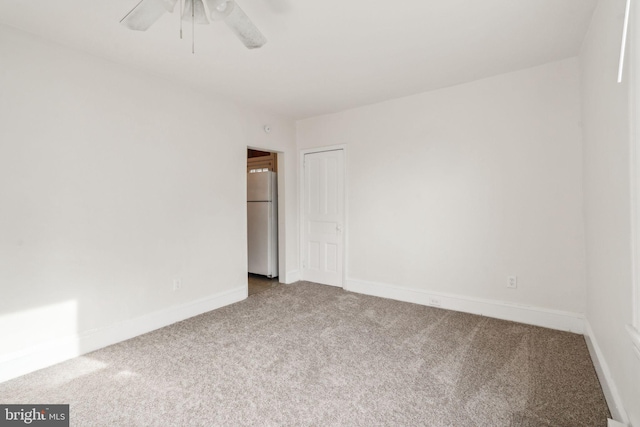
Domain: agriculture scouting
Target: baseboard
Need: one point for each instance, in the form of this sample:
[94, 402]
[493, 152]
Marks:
[292, 277]
[604, 375]
[554, 319]
[47, 354]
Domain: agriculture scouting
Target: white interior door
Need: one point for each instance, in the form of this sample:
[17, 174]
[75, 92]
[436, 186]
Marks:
[323, 217]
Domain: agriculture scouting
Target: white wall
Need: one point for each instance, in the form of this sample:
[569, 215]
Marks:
[605, 110]
[112, 184]
[451, 191]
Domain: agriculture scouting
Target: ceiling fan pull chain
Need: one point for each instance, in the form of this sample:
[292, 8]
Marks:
[193, 27]
[180, 17]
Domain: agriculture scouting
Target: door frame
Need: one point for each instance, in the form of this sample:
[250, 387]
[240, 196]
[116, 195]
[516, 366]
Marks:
[282, 236]
[301, 211]
[634, 143]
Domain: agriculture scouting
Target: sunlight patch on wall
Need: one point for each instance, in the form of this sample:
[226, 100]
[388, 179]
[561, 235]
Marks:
[38, 326]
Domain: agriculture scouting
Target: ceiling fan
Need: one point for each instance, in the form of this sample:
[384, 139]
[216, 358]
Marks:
[147, 12]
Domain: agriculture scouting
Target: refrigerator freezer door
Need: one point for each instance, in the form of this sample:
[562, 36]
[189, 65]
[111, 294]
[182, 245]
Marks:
[259, 238]
[260, 186]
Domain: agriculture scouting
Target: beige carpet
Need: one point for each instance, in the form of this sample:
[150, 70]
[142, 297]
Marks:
[309, 354]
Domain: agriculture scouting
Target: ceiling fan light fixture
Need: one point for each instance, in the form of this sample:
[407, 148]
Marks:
[219, 9]
[194, 10]
[222, 6]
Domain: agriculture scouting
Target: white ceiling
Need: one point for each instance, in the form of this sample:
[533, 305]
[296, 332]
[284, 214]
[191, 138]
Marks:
[323, 56]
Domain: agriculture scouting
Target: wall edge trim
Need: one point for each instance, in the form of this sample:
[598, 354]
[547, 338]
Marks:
[548, 318]
[609, 388]
[292, 277]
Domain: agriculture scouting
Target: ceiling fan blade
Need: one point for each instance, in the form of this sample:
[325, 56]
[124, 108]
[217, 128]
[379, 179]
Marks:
[242, 26]
[146, 13]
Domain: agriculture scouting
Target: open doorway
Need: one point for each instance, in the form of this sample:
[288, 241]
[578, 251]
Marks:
[262, 220]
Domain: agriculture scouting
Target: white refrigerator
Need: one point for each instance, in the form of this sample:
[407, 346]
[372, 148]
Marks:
[262, 223]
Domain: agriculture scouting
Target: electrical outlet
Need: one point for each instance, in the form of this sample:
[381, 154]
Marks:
[177, 284]
[434, 302]
[512, 282]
